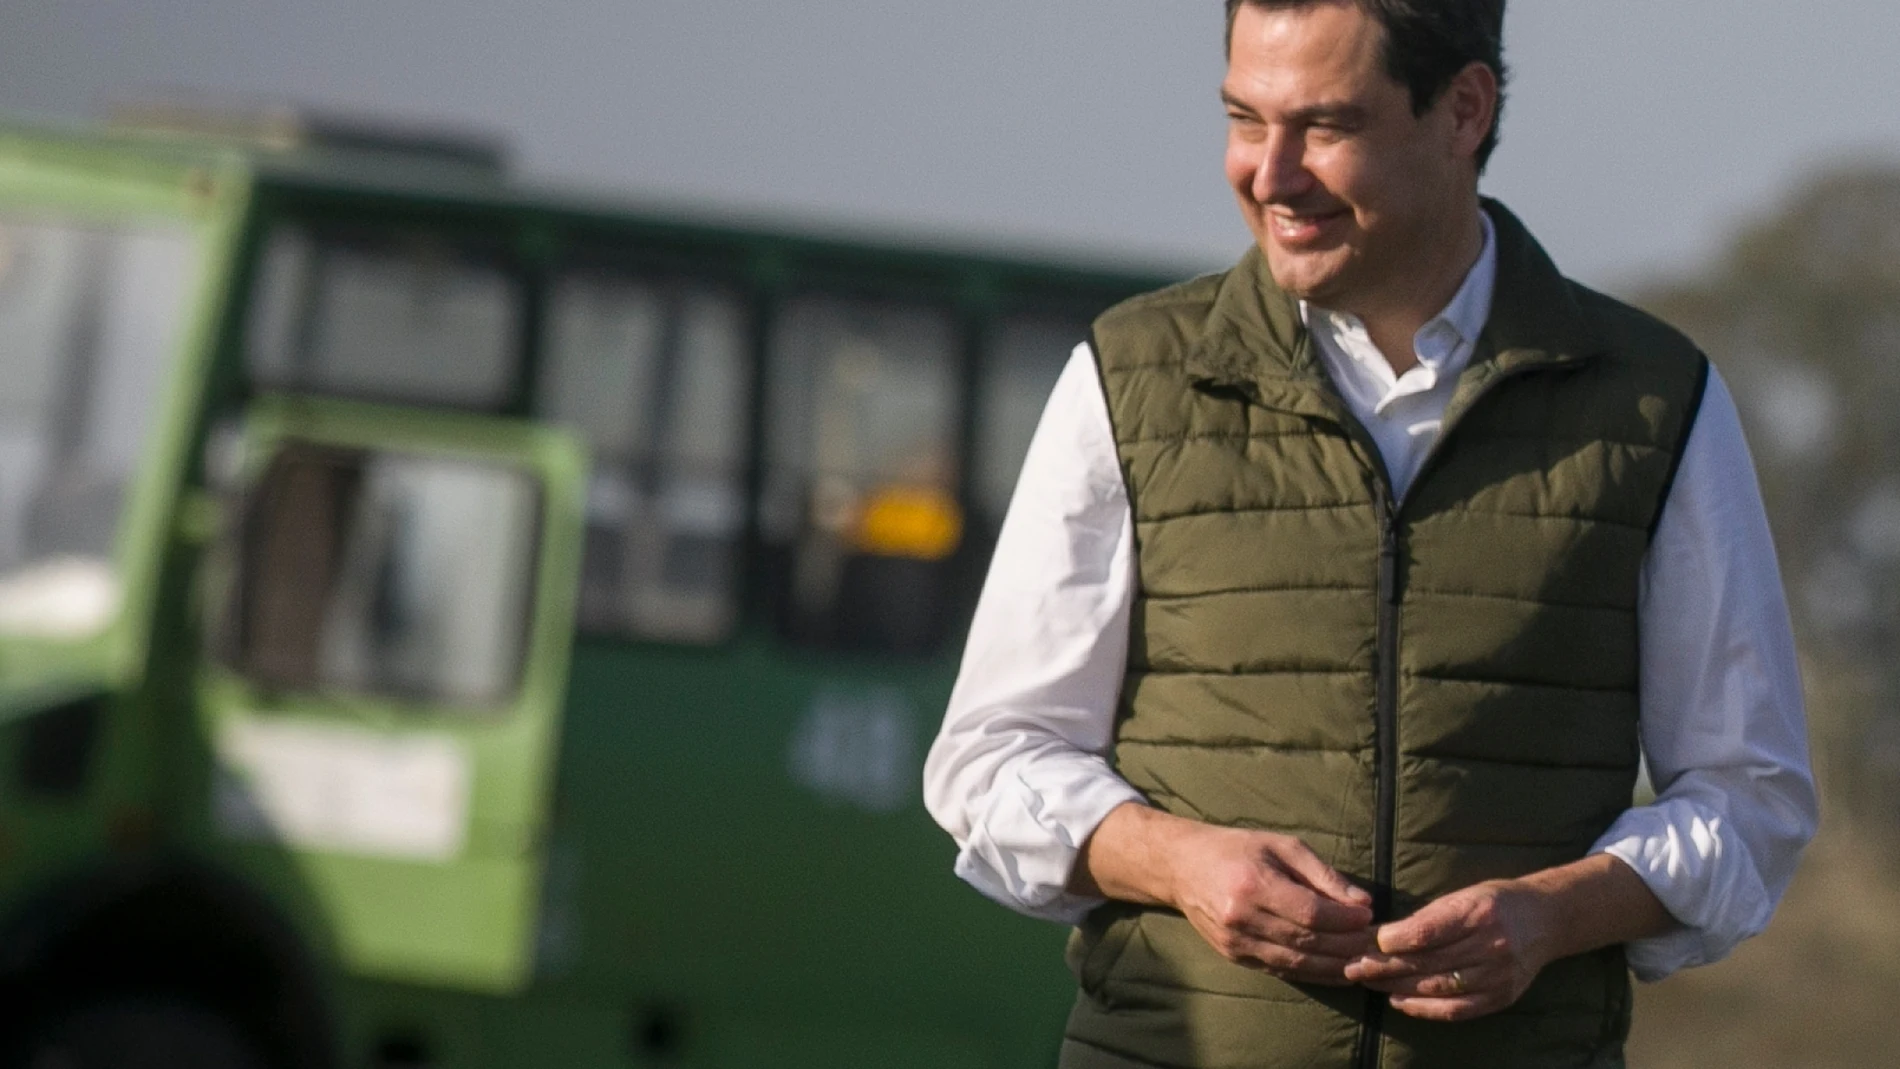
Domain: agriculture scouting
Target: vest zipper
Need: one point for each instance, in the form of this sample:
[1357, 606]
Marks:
[1386, 692]
[1386, 754]
[1387, 704]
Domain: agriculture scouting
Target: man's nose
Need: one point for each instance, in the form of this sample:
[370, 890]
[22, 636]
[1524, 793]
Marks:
[1282, 175]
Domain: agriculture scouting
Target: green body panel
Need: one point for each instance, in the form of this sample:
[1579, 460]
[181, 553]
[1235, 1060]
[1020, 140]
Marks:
[734, 828]
[1269, 548]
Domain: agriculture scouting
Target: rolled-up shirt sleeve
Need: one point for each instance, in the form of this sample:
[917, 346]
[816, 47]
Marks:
[1019, 775]
[1723, 729]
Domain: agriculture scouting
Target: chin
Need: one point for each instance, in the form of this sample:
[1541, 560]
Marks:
[1304, 280]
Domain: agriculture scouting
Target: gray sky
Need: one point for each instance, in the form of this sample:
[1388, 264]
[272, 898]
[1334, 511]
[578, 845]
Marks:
[1638, 131]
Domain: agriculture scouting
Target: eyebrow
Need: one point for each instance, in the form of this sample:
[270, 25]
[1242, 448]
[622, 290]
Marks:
[1341, 112]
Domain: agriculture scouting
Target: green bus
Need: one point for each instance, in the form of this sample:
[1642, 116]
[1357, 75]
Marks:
[443, 625]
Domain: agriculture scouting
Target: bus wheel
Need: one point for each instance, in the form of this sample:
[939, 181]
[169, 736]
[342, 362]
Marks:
[144, 1033]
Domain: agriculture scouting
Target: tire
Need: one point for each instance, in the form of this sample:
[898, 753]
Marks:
[141, 1033]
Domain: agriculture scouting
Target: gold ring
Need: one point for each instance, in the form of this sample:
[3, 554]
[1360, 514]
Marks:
[1457, 982]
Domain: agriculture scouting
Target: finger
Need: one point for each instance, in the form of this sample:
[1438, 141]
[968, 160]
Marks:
[1439, 924]
[1289, 964]
[1302, 863]
[1307, 908]
[1466, 954]
[1347, 946]
[1463, 1008]
[1458, 983]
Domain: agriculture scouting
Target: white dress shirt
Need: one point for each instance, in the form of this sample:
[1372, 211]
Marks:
[1020, 778]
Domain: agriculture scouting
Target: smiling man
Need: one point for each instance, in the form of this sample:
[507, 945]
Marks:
[1341, 596]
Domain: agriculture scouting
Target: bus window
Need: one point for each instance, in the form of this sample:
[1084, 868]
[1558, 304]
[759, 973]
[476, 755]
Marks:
[390, 315]
[1020, 366]
[858, 509]
[654, 377]
[91, 317]
[387, 574]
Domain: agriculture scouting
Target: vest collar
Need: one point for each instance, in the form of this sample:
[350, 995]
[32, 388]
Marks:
[1255, 340]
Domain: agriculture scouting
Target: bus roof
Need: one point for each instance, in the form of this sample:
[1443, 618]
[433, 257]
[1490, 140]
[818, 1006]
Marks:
[386, 175]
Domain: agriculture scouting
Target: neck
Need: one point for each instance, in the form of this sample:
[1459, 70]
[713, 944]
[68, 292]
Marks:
[1394, 325]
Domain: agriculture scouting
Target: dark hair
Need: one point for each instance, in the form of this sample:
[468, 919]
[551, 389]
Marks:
[1427, 42]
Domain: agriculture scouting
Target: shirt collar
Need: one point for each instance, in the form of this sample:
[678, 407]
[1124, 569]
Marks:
[1470, 307]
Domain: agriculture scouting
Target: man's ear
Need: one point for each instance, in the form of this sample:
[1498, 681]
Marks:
[1472, 100]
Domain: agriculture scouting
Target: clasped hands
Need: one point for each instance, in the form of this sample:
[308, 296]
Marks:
[1268, 902]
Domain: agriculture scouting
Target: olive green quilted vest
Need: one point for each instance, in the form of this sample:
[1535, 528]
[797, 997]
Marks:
[1429, 693]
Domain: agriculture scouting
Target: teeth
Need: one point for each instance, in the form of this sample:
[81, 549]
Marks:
[1294, 224]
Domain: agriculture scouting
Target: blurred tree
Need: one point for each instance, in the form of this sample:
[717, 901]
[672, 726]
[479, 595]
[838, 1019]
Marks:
[1802, 316]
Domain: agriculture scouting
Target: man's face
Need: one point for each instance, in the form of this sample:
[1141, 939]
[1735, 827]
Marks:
[1350, 195]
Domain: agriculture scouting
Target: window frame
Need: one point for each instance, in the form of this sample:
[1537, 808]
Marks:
[480, 234]
[552, 458]
[231, 647]
[948, 288]
[674, 274]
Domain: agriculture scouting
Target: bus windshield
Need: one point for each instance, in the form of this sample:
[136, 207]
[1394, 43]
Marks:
[90, 320]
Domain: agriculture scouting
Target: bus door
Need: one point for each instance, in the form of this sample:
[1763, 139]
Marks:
[385, 686]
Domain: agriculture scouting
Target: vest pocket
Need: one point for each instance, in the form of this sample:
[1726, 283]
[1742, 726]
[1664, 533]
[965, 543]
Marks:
[1617, 1010]
[1099, 942]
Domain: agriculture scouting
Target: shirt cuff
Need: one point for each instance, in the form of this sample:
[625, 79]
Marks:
[1701, 872]
[1023, 851]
